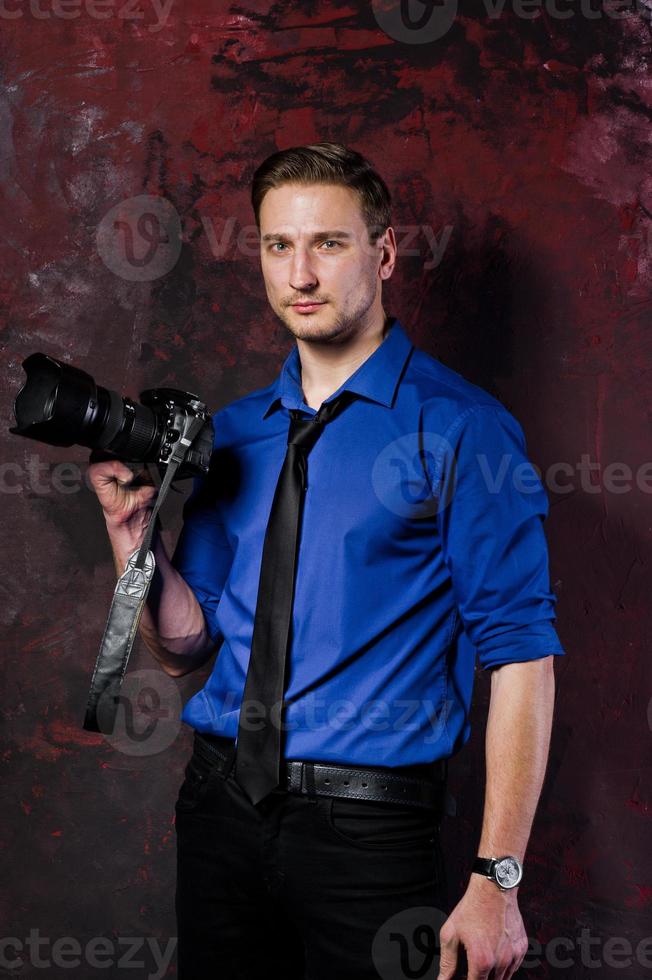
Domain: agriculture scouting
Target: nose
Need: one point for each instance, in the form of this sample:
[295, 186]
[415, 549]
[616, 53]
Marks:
[302, 274]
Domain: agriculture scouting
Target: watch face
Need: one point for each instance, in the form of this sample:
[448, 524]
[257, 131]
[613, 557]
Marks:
[508, 872]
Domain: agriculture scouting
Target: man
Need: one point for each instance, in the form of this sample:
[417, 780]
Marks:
[419, 547]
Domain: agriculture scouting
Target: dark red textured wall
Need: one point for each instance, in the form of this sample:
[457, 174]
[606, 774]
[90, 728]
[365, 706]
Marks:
[521, 148]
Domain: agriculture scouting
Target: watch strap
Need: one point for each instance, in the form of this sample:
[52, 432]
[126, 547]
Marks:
[484, 866]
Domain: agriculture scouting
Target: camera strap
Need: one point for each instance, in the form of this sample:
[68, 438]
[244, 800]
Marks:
[127, 606]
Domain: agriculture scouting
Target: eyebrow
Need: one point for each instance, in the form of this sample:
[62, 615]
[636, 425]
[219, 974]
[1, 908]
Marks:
[279, 236]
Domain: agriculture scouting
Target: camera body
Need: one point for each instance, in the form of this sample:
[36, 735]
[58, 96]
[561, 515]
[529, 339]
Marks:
[62, 405]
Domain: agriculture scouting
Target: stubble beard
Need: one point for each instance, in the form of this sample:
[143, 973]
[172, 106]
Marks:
[337, 326]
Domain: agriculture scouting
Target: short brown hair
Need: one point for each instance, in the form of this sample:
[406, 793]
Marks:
[326, 163]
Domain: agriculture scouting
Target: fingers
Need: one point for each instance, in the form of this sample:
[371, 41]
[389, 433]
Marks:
[478, 964]
[516, 961]
[110, 471]
[477, 946]
[143, 479]
[448, 957]
[145, 495]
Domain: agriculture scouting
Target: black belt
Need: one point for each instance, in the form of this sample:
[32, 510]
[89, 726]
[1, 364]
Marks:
[420, 785]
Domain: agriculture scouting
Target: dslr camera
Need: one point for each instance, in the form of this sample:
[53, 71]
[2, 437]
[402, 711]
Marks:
[61, 405]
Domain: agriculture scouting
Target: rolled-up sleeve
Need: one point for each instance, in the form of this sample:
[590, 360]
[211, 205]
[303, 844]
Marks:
[203, 555]
[491, 510]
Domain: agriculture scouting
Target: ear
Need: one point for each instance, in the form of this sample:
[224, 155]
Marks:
[388, 253]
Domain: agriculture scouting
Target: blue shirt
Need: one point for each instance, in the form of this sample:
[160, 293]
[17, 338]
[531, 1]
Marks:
[422, 548]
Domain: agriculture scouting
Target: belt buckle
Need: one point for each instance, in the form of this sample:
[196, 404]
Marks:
[294, 775]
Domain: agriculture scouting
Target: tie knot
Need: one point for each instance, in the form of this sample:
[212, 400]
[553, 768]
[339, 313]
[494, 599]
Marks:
[304, 432]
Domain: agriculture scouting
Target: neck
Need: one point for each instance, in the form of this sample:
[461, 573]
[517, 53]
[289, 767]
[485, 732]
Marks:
[325, 367]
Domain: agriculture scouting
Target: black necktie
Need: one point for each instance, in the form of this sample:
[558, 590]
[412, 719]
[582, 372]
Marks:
[258, 748]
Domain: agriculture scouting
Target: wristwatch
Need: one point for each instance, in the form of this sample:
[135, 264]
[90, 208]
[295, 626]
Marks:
[506, 872]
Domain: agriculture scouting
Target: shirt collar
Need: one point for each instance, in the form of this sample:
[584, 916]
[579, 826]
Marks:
[376, 378]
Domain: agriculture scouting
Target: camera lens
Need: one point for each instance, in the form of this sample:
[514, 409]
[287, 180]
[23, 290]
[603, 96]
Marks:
[61, 405]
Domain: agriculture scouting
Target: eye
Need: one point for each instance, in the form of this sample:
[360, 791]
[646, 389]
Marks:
[278, 243]
[330, 241]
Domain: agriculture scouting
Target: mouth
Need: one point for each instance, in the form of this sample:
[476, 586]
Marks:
[307, 307]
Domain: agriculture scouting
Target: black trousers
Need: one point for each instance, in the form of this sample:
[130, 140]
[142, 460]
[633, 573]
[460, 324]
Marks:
[304, 888]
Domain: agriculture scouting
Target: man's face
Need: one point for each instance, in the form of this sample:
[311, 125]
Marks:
[315, 248]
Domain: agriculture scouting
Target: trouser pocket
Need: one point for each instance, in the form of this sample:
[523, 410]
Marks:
[197, 777]
[370, 824]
